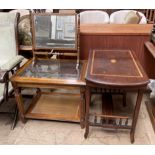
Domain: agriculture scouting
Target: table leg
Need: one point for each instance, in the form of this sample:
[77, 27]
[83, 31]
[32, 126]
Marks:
[107, 107]
[88, 96]
[135, 115]
[82, 107]
[124, 99]
[19, 102]
[15, 118]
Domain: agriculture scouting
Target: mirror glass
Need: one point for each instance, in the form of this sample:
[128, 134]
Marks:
[55, 31]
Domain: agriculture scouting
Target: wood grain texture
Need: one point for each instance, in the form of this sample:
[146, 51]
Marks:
[151, 48]
[56, 107]
[149, 61]
[135, 43]
[126, 72]
[137, 80]
[115, 29]
[102, 36]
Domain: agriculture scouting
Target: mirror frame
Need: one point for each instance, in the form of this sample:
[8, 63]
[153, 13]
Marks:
[50, 48]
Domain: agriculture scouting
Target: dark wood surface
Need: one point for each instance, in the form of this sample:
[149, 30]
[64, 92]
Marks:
[117, 36]
[150, 53]
[149, 60]
[151, 48]
[114, 70]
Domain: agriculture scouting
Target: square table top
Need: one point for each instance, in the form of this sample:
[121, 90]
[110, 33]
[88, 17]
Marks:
[51, 71]
[115, 68]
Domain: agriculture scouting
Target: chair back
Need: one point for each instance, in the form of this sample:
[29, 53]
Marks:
[8, 33]
[118, 17]
[94, 17]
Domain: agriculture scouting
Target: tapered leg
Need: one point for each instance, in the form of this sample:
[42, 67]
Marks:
[15, 118]
[88, 96]
[19, 102]
[82, 107]
[124, 99]
[135, 115]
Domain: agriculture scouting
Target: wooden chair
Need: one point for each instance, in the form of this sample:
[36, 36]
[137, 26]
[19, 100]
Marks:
[9, 58]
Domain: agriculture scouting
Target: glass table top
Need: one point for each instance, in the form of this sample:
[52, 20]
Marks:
[60, 69]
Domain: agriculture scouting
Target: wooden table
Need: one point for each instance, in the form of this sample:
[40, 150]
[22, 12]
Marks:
[50, 105]
[114, 70]
[116, 36]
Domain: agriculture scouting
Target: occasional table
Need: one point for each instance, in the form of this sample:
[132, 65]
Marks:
[114, 70]
[48, 75]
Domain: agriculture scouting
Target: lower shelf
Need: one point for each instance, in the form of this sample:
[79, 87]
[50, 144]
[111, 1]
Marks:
[63, 107]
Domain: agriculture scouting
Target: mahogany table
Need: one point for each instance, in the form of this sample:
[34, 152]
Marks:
[114, 70]
[114, 36]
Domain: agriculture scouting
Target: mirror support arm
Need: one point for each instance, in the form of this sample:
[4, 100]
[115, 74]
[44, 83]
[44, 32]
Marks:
[78, 42]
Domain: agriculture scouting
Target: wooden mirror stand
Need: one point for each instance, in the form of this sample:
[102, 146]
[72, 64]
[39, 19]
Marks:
[55, 34]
